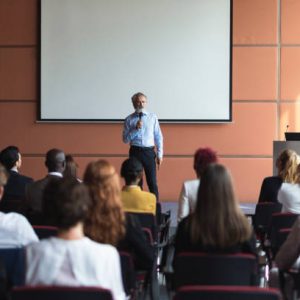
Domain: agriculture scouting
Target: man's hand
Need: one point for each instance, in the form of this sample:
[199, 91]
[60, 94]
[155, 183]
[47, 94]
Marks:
[139, 124]
[159, 161]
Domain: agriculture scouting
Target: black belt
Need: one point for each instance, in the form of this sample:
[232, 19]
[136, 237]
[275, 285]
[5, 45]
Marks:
[141, 148]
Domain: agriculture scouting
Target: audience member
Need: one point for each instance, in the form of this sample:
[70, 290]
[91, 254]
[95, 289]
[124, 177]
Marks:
[188, 195]
[106, 222]
[15, 231]
[217, 224]
[289, 252]
[71, 167]
[14, 191]
[289, 194]
[286, 165]
[55, 163]
[134, 199]
[71, 258]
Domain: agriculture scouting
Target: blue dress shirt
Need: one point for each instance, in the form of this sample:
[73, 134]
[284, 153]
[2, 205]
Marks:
[148, 136]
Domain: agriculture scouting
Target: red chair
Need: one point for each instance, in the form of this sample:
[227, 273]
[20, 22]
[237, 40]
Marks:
[192, 268]
[278, 222]
[128, 273]
[226, 293]
[60, 293]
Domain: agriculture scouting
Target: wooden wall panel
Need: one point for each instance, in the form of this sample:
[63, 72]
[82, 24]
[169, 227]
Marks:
[254, 73]
[18, 19]
[255, 21]
[237, 138]
[251, 133]
[18, 73]
[289, 115]
[290, 73]
[39, 137]
[290, 22]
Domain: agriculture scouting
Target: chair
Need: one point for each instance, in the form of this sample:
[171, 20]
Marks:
[191, 268]
[148, 220]
[279, 221]
[226, 293]
[262, 218]
[13, 260]
[128, 273]
[44, 232]
[60, 293]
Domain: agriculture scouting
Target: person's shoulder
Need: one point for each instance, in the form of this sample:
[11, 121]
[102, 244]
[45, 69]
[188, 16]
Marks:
[193, 182]
[148, 195]
[15, 217]
[272, 179]
[104, 248]
[129, 117]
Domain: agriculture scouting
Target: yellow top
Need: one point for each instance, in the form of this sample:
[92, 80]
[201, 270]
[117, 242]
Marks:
[137, 201]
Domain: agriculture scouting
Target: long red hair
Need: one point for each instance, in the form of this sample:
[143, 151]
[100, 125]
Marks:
[106, 220]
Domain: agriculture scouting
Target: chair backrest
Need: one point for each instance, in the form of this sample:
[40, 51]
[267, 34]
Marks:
[128, 272]
[226, 292]
[14, 263]
[192, 268]
[148, 220]
[44, 232]
[148, 235]
[263, 215]
[279, 221]
[60, 293]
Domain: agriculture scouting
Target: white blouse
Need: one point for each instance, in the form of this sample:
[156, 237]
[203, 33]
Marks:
[289, 197]
[82, 262]
[188, 198]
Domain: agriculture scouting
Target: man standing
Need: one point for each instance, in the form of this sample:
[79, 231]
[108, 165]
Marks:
[142, 132]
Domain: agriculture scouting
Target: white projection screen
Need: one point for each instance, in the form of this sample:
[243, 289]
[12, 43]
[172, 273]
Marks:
[95, 54]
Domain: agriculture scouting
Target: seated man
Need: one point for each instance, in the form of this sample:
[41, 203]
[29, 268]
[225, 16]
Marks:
[134, 199]
[14, 191]
[15, 231]
[55, 163]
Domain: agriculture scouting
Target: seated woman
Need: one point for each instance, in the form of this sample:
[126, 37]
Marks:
[286, 165]
[106, 221]
[289, 194]
[217, 225]
[71, 258]
[188, 195]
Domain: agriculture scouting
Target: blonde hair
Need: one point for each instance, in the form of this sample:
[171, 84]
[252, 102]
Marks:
[218, 220]
[106, 220]
[287, 164]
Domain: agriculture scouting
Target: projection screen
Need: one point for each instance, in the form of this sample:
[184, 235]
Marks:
[95, 54]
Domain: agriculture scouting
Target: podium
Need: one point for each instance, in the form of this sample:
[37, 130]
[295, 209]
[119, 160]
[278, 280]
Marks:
[279, 146]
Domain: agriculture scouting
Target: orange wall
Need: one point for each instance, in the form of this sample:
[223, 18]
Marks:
[266, 93]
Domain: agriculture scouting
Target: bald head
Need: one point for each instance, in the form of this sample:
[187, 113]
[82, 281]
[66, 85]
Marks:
[55, 160]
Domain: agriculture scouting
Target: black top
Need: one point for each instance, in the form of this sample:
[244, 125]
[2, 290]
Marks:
[269, 189]
[183, 242]
[14, 192]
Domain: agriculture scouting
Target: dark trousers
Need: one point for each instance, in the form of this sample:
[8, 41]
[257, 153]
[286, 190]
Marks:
[147, 157]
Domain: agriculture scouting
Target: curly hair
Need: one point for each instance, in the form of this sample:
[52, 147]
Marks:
[202, 158]
[287, 164]
[106, 219]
